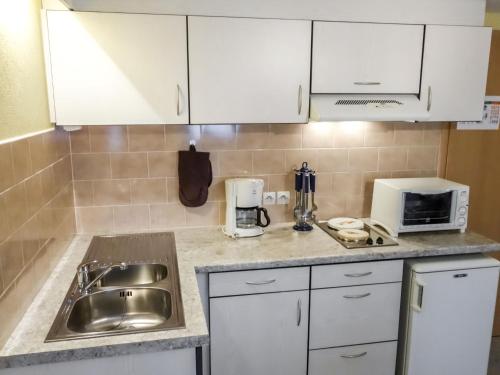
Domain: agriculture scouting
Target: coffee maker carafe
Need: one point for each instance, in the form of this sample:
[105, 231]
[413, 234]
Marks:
[243, 208]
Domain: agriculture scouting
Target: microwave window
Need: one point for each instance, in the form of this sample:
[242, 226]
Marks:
[424, 209]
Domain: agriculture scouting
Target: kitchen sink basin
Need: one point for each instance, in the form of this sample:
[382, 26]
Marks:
[134, 274]
[120, 309]
[125, 284]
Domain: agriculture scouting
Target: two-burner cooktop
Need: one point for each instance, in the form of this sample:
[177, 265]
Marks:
[375, 237]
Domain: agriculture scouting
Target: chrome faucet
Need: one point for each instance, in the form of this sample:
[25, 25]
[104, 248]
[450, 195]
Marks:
[84, 284]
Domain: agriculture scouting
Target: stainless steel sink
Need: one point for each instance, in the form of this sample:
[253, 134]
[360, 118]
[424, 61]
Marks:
[141, 295]
[121, 309]
[134, 274]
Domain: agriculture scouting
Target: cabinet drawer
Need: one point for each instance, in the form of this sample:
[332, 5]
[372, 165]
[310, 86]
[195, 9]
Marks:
[258, 281]
[373, 359]
[354, 315]
[356, 274]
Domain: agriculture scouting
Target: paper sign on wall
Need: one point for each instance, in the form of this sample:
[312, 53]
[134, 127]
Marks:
[491, 116]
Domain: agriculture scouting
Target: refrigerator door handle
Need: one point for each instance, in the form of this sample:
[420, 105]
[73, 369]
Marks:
[417, 295]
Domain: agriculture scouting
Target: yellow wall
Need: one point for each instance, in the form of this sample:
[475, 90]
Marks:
[493, 20]
[23, 93]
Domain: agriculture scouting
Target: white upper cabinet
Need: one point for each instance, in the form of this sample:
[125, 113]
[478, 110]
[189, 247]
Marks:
[366, 58]
[249, 70]
[455, 70]
[118, 68]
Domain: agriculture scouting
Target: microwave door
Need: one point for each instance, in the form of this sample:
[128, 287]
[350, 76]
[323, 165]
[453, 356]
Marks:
[428, 208]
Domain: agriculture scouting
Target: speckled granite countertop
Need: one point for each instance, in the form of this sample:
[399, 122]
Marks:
[205, 250]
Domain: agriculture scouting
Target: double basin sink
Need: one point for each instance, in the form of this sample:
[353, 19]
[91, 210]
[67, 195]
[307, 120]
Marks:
[125, 284]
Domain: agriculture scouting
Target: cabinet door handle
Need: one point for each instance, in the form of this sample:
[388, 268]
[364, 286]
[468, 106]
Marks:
[299, 312]
[358, 274]
[351, 356]
[353, 296]
[299, 104]
[429, 99]
[178, 100]
[418, 296]
[368, 83]
[263, 282]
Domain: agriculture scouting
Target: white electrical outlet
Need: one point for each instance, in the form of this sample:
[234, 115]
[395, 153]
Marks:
[269, 197]
[283, 197]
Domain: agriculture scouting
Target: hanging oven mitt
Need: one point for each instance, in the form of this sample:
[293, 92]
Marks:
[195, 176]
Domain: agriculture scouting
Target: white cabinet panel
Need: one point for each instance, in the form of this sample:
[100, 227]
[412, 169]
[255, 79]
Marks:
[335, 275]
[366, 58]
[354, 315]
[118, 68]
[454, 73]
[259, 334]
[372, 359]
[170, 362]
[259, 281]
[249, 70]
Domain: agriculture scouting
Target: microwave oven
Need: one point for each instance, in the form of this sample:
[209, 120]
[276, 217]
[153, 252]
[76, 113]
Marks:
[402, 205]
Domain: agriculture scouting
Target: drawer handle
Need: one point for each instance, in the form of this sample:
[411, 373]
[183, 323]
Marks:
[352, 296]
[351, 356]
[369, 83]
[358, 274]
[264, 282]
[299, 312]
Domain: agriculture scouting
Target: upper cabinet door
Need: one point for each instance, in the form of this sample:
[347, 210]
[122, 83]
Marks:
[455, 72]
[249, 70]
[366, 58]
[111, 68]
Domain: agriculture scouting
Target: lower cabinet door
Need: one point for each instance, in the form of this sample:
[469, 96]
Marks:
[371, 359]
[261, 334]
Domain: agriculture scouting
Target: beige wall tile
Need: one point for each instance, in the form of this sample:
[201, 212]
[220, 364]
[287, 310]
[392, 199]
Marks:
[11, 253]
[432, 133]
[163, 164]
[269, 162]
[408, 134]
[38, 153]
[21, 160]
[91, 166]
[177, 137]
[208, 214]
[63, 172]
[131, 218]
[152, 190]
[217, 191]
[330, 206]
[16, 206]
[251, 137]
[379, 134]
[94, 219]
[62, 142]
[348, 134]
[285, 136]
[173, 189]
[368, 181]
[347, 183]
[5, 228]
[108, 138]
[295, 158]
[279, 214]
[129, 165]
[332, 161]
[363, 159]
[48, 184]
[355, 205]
[80, 140]
[393, 159]
[30, 237]
[165, 216]
[235, 163]
[146, 138]
[34, 193]
[6, 170]
[217, 137]
[422, 158]
[324, 184]
[282, 182]
[317, 135]
[405, 174]
[110, 192]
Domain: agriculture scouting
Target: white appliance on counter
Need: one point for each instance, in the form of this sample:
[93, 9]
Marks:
[243, 208]
[447, 315]
[402, 205]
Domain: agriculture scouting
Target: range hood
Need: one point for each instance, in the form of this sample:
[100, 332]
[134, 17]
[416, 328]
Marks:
[368, 107]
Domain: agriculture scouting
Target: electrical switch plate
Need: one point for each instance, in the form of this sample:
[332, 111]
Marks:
[269, 197]
[283, 197]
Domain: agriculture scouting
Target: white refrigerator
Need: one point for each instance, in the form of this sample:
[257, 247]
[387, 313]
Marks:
[447, 315]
